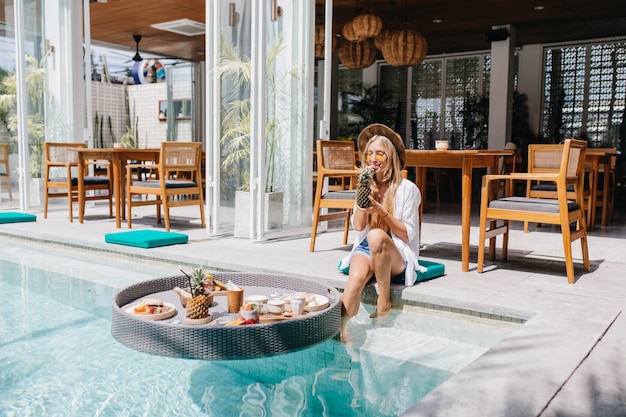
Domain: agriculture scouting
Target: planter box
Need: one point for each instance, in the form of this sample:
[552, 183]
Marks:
[273, 212]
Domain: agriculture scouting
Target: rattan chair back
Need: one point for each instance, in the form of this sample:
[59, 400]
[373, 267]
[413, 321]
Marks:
[334, 159]
[178, 181]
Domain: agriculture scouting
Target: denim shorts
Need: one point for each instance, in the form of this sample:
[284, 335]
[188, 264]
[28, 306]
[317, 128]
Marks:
[364, 248]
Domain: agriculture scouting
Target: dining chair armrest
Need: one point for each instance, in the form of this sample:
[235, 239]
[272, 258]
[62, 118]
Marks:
[338, 172]
[62, 164]
[130, 167]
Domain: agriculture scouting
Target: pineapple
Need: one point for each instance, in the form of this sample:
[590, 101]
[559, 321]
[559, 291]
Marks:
[363, 190]
[200, 284]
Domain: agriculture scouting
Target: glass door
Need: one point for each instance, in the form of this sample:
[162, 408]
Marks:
[260, 117]
[180, 100]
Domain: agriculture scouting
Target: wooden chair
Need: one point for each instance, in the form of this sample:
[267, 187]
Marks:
[61, 173]
[607, 172]
[546, 158]
[167, 189]
[334, 159]
[559, 210]
[5, 174]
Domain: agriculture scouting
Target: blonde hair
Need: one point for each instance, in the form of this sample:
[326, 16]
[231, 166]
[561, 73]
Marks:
[391, 173]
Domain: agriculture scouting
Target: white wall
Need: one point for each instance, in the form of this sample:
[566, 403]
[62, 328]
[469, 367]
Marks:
[144, 103]
[108, 101]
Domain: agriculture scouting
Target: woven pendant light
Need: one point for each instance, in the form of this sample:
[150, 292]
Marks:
[320, 34]
[406, 47]
[357, 55]
[367, 25]
[381, 38]
[319, 50]
[348, 32]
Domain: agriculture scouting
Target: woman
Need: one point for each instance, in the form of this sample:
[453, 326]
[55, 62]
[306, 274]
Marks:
[388, 242]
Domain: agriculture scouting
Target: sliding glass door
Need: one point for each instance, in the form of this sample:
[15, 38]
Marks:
[260, 116]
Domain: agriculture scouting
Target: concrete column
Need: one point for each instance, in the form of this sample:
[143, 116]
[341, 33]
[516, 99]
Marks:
[501, 89]
[530, 82]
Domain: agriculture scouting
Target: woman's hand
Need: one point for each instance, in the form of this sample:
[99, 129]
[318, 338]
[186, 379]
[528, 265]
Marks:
[376, 208]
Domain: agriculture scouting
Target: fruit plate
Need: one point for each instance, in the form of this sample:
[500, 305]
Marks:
[314, 302]
[160, 316]
[320, 303]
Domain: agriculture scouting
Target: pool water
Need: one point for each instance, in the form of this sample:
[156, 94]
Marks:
[58, 358]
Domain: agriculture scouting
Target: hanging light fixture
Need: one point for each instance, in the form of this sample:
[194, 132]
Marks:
[406, 47]
[357, 55]
[367, 24]
[348, 32]
[320, 30]
[381, 38]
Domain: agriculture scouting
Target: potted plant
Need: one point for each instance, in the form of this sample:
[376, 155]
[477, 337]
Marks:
[236, 133]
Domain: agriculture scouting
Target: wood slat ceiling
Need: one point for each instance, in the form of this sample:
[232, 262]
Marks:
[462, 28]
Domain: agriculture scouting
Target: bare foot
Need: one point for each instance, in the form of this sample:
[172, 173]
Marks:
[382, 310]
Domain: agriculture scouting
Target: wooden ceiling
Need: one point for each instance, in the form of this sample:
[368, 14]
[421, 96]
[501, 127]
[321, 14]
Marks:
[462, 28]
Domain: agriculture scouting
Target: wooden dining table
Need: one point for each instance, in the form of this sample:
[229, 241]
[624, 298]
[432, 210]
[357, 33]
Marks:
[118, 157]
[599, 160]
[467, 161]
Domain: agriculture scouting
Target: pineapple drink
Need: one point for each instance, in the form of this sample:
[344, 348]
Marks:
[363, 189]
[198, 304]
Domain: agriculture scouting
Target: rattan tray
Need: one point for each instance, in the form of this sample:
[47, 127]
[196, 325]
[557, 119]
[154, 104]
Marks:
[174, 338]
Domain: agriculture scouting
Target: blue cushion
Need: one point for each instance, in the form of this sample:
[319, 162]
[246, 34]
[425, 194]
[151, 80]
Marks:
[433, 270]
[146, 238]
[15, 217]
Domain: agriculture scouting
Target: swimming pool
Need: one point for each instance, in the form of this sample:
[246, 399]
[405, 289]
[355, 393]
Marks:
[58, 358]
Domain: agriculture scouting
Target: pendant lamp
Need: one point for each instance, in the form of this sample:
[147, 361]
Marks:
[357, 55]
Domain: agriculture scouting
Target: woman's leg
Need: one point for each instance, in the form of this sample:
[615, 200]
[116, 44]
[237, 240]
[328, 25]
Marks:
[360, 273]
[386, 261]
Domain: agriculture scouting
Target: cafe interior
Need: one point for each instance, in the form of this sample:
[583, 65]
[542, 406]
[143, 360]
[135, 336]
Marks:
[481, 75]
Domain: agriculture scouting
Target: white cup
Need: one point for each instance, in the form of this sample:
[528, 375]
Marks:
[297, 304]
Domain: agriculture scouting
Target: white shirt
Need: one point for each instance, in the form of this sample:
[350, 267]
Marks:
[406, 209]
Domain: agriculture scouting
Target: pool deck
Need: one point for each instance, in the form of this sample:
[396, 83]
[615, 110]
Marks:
[568, 359]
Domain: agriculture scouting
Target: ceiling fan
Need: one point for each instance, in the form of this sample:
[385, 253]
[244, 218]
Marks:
[137, 56]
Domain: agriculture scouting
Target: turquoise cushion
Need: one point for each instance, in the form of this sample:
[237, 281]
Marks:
[433, 270]
[145, 238]
[14, 217]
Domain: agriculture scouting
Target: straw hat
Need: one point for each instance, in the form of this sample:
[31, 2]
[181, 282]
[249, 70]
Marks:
[380, 129]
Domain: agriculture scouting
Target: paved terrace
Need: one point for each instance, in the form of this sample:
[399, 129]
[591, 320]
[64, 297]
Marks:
[568, 359]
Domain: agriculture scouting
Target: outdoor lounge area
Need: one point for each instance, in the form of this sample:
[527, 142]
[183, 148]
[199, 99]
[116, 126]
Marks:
[569, 346]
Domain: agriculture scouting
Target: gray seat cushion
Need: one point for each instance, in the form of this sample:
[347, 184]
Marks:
[341, 195]
[168, 184]
[544, 205]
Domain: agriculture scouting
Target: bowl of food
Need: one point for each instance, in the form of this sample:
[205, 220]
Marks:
[275, 306]
[255, 299]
